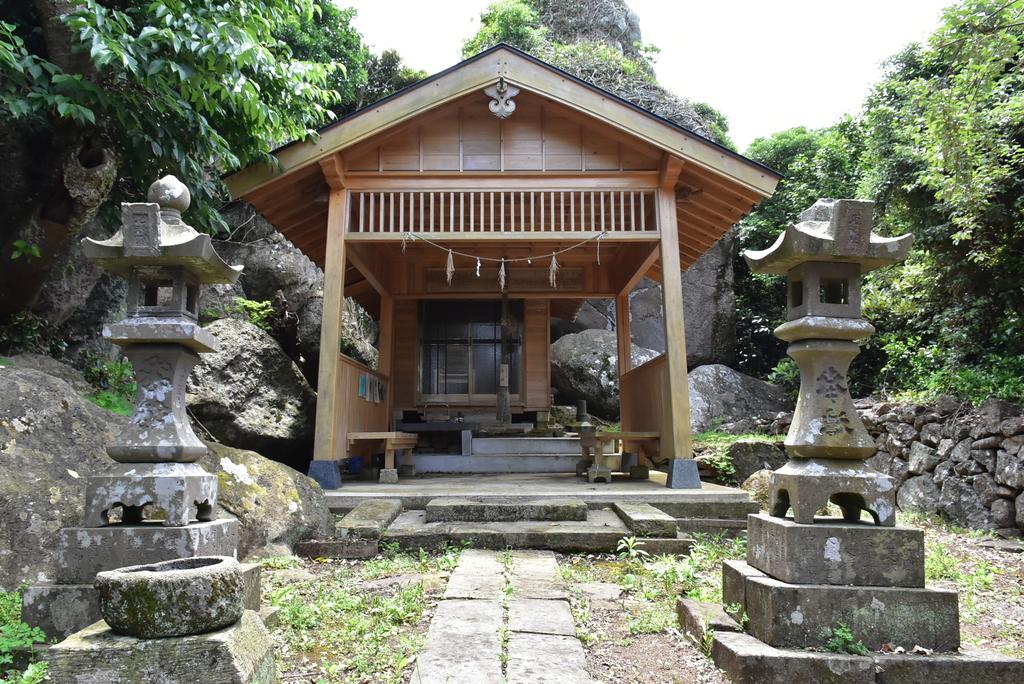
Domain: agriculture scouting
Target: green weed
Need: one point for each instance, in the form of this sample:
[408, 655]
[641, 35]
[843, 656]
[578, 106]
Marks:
[840, 640]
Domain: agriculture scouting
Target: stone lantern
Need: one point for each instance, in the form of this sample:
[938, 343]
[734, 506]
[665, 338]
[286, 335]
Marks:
[165, 500]
[823, 257]
[165, 261]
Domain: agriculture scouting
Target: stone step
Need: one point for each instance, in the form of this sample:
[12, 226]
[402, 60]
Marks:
[736, 508]
[368, 520]
[728, 527]
[453, 510]
[496, 463]
[644, 520]
[678, 545]
[600, 533]
[749, 661]
[506, 446]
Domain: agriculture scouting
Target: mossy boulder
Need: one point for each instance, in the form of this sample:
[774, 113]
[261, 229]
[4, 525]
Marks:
[50, 440]
[252, 396]
[276, 505]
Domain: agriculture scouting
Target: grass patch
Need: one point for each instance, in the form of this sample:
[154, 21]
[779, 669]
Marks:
[655, 582]
[4, 361]
[970, 576]
[391, 561]
[280, 562]
[713, 448]
[115, 403]
[15, 635]
[334, 629]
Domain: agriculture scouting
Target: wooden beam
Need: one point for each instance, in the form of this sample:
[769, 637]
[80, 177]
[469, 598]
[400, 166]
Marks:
[676, 440]
[328, 445]
[370, 265]
[622, 333]
[632, 266]
[509, 180]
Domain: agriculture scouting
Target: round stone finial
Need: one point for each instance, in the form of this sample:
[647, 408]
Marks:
[170, 193]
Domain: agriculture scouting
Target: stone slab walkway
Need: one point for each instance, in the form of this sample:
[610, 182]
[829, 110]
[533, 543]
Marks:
[509, 607]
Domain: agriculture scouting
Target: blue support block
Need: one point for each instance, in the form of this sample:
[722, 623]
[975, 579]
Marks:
[326, 473]
[683, 474]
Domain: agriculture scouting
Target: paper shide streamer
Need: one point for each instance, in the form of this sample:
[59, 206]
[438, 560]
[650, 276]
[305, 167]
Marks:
[553, 267]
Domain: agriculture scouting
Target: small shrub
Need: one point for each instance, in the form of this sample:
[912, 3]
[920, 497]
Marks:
[27, 332]
[16, 635]
[629, 547]
[840, 640]
[786, 375]
[259, 313]
[114, 403]
[112, 376]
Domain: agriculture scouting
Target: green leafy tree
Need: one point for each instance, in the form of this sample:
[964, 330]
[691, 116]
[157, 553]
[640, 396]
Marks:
[328, 37]
[815, 163]
[945, 161]
[386, 73]
[569, 35]
[99, 97]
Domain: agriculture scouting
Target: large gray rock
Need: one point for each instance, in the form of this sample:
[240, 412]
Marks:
[709, 307]
[585, 366]
[272, 265]
[963, 505]
[719, 394]
[250, 395]
[748, 457]
[79, 297]
[276, 506]
[919, 494]
[50, 440]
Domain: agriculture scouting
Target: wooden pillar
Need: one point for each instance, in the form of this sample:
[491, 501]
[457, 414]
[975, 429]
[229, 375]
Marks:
[328, 445]
[625, 349]
[677, 443]
[385, 349]
[622, 333]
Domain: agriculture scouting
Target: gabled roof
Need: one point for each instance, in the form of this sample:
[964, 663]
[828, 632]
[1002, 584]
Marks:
[527, 73]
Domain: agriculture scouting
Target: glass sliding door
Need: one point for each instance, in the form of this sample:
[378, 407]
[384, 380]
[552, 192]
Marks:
[461, 350]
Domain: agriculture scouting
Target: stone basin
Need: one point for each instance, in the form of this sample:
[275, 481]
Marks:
[172, 598]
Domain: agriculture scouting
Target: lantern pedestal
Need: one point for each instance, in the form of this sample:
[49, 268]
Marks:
[182, 491]
[809, 485]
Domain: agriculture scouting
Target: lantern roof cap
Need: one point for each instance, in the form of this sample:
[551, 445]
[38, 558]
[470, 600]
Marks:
[831, 230]
[157, 237]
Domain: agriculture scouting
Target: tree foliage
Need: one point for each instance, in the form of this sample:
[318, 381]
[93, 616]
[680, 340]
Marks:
[178, 85]
[938, 147]
[587, 39]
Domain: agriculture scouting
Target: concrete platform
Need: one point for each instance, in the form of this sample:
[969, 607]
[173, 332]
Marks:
[414, 493]
[600, 533]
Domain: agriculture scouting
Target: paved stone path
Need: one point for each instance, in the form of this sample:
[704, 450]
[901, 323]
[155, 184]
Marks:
[497, 607]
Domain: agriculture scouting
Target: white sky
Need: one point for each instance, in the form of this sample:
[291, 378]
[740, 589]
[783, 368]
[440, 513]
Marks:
[767, 66]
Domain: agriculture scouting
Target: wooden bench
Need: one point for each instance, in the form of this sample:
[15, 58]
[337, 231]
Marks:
[390, 441]
[592, 446]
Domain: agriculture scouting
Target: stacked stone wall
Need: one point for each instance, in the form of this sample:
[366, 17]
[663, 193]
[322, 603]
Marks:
[964, 463]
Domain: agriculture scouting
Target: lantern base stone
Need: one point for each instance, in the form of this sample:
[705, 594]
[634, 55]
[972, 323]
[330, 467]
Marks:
[183, 491]
[796, 615]
[84, 551]
[832, 551]
[808, 485]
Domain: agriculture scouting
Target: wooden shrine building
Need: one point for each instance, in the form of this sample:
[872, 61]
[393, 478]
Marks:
[501, 157]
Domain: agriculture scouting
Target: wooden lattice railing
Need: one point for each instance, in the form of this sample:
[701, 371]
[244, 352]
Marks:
[503, 211]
